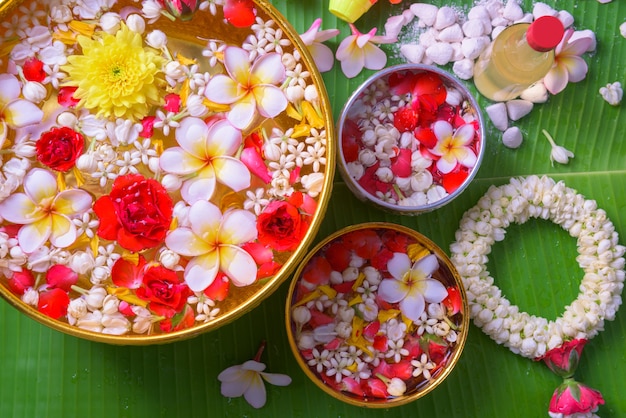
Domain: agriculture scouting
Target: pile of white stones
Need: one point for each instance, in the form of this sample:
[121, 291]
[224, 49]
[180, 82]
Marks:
[444, 35]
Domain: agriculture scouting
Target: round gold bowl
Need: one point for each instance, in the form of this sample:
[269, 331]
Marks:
[377, 315]
[163, 167]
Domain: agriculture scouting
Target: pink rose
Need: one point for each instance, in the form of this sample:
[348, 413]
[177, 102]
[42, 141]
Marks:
[563, 360]
[575, 398]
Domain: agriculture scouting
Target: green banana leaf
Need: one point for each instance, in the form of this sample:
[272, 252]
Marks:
[44, 373]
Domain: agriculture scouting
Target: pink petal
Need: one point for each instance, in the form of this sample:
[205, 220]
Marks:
[20, 113]
[374, 57]
[392, 290]
[268, 69]
[40, 184]
[270, 100]
[34, 235]
[242, 113]
[191, 136]
[20, 209]
[184, 242]
[9, 88]
[323, 56]
[434, 291]
[255, 163]
[237, 227]
[255, 395]
[223, 89]
[205, 218]
[577, 47]
[72, 201]
[201, 271]
[238, 265]
[222, 139]
[413, 305]
[556, 79]
[346, 48]
[237, 64]
[309, 36]
[276, 379]
[63, 233]
[399, 265]
[201, 187]
[353, 64]
[232, 173]
[576, 68]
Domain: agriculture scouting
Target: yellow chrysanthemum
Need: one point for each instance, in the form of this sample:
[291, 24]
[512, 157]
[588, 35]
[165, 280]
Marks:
[116, 75]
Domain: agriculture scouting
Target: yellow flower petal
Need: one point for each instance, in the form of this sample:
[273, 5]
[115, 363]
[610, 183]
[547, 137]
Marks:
[417, 251]
[126, 295]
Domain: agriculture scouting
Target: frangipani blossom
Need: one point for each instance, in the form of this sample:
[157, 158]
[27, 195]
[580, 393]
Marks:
[44, 212]
[15, 112]
[568, 66]
[205, 151]
[453, 146]
[247, 379]
[249, 89]
[313, 38]
[359, 50]
[412, 285]
[213, 241]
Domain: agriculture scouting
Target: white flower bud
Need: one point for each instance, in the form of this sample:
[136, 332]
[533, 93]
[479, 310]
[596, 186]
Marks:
[336, 277]
[355, 170]
[313, 183]
[311, 94]
[385, 174]
[372, 275]
[154, 165]
[99, 274]
[115, 324]
[87, 163]
[156, 39]
[76, 309]
[345, 314]
[420, 182]
[95, 297]
[67, 119]
[82, 262]
[25, 149]
[350, 274]
[136, 23]
[295, 93]
[30, 297]
[301, 315]
[306, 341]
[91, 322]
[367, 157]
[110, 22]
[110, 304]
[195, 106]
[169, 259]
[171, 182]
[396, 387]
[34, 91]
[60, 14]
[612, 93]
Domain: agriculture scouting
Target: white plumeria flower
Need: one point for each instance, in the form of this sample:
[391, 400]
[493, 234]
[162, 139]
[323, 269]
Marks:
[359, 50]
[15, 112]
[453, 146]
[249, 89]
[247, 379]
[313, 38]
[412, 285]
[44, 212]
[213, 241]
[205, 151]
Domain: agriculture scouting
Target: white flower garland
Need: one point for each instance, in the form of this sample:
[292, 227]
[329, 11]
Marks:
[599, 255]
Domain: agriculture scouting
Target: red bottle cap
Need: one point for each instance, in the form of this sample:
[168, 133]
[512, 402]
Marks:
[545, 33]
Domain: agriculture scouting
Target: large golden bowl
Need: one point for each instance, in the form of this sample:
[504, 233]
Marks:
[292, 191]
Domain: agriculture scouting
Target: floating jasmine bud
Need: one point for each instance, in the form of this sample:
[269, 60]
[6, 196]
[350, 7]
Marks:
[558, 153]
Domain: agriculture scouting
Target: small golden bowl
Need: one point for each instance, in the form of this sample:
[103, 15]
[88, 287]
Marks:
[352, 340]
[395, 149]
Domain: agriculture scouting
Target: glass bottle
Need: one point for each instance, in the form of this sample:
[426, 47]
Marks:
[521, 55]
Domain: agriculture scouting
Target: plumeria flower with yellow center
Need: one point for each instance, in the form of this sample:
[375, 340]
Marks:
[213, 242]
[44, 211]
[453, 146]
[14, 111]
[412, 285]
[247, 379]
[359, 50]
[205, 154]
[249, 88]
[568, 66]
[313, 38]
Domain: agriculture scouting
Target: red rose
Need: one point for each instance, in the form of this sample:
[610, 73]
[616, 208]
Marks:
[573, 398]
[33, 70]
[281, 226]
[164, 290]
[59, 148]
[137, 213]
[563, 360]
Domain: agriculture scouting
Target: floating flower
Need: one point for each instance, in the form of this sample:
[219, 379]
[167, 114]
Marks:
[453, 146]
[213, 241]
[15, 112]
[568, 66]
[182, 9]
[313, 38]
[247, 379]
[612, 93]
[59, 148]
[240, 13]
[412, 285]
[116, 75]
[249, 89]
[44, 212]
[359, 50]
[206, 152]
